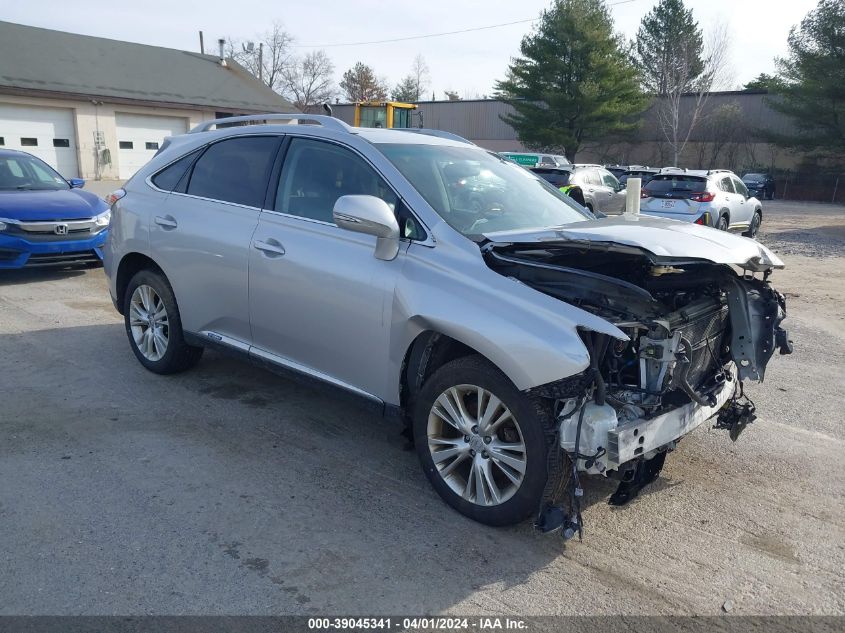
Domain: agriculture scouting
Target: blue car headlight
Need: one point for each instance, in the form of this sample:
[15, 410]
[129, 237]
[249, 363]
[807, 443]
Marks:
[103, 219]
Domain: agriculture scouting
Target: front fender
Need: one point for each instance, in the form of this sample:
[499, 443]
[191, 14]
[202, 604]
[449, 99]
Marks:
[532, 337]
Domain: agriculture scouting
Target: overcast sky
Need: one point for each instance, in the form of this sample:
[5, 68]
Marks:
[469, 63]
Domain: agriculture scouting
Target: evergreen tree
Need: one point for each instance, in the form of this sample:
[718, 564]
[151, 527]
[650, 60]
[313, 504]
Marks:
[573, 82]
[811, 85]
[668, 48]
[360, 83]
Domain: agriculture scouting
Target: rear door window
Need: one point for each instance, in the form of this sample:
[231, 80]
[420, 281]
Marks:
[725, 185]
[235, 170]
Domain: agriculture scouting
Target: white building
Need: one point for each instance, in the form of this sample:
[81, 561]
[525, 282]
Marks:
[99, 108]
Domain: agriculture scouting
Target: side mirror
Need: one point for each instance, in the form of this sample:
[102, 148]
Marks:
[76, 183]
[371, 216]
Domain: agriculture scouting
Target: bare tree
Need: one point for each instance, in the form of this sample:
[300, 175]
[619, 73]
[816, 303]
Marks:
[265, 58]
[678, 111]
[308, 81]
[421, 75]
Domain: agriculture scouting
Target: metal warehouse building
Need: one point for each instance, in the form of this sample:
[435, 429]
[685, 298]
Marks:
[99, 108]
[716, 138]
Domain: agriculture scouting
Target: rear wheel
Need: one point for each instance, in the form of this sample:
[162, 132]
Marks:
[754, 226]
[722, 224]
[154, 327]
[481, 442]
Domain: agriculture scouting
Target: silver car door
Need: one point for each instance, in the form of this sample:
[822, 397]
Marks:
[615, 194]
[744, 205]
[200, 237]
[319, 300]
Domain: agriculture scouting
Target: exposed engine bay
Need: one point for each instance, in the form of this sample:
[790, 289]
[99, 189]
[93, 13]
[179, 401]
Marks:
[695, 331]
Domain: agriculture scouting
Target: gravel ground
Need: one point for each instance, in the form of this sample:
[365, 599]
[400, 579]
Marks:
[227, 490]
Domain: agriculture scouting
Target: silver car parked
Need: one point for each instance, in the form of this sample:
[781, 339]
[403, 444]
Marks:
[522, 341]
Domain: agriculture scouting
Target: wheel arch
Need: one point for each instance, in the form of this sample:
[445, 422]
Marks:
[129, 265]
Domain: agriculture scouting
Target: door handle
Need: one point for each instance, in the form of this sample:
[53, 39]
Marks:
[271, 247]
[166, 222]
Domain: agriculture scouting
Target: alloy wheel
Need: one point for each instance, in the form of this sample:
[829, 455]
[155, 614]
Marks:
[149, 323]
[476, 445]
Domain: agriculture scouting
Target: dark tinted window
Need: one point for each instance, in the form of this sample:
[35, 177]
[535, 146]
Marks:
[316, 174]
[125, 144]
[553, 176]
[666, 184]
[29, 142]
[740, 187]
[169, 177]
[61, 142]
[235, 170]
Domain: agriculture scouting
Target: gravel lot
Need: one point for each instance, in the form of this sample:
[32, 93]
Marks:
[229, 490]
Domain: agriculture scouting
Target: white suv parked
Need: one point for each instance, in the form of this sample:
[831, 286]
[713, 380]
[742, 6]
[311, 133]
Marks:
[716, 198]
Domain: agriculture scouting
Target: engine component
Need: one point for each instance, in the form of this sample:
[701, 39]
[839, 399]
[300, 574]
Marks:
[596, 422]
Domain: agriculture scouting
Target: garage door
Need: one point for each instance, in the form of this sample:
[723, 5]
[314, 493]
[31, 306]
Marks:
[139, 136]
[48, 133]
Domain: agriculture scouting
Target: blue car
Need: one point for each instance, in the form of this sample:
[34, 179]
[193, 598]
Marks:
[46, 220]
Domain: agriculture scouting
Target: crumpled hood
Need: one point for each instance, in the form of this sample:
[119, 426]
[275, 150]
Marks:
[50, 206]
[663, 238]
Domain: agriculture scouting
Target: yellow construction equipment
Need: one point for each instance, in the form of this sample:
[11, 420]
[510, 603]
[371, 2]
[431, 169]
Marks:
[387, 114]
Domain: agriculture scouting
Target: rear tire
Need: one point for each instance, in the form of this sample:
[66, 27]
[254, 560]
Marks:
[722, 224]
[154, 327]
[497, 476]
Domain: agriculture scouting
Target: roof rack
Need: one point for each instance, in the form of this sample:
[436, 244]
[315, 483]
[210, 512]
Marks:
[322, 119]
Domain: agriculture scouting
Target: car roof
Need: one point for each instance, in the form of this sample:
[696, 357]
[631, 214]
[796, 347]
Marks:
[13, 152]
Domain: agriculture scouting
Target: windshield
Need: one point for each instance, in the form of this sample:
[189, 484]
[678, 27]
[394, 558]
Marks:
[477, 192]
[21, 172]
[753, 177]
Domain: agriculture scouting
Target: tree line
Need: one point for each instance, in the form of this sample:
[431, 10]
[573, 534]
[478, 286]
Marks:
[577, 82]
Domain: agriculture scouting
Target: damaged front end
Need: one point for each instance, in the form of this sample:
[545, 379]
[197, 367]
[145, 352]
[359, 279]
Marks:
[695, 331]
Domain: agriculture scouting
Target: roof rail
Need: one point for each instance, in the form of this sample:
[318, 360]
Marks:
[322, 119]
[438, 133]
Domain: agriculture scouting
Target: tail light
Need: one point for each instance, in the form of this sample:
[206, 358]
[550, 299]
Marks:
[703, 196]
[114, 196]
[703, 220]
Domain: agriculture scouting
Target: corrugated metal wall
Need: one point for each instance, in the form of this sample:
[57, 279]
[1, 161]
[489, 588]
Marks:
[480, 121]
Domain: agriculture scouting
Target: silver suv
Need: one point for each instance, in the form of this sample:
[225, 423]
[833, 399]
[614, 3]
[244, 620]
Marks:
[521, 341]
[715, 197]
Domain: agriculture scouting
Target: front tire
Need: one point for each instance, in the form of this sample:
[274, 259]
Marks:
[154, 327]
[754, 226]
[482, 444]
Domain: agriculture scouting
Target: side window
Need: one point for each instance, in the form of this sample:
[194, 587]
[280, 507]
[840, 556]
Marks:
[169, 177]
[235, 170]
[609, 180]
[315, 174]
[725, 185]
[740, 187]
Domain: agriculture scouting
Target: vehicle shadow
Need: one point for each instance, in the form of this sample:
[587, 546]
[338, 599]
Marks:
[221, 483]
[32, 275]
